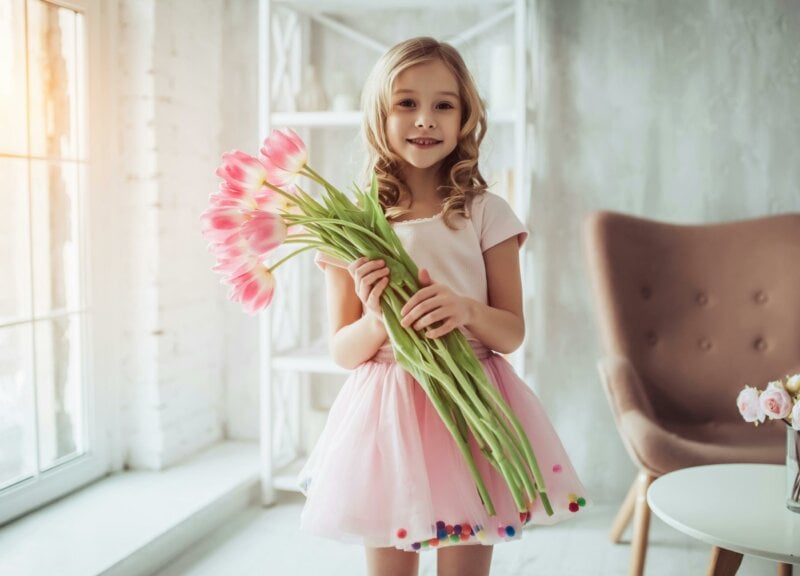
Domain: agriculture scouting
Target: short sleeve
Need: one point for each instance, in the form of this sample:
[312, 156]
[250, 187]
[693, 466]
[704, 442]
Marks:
[496, 221]
[323, 260]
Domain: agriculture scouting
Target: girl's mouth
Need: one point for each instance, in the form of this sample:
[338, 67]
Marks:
[423, 142]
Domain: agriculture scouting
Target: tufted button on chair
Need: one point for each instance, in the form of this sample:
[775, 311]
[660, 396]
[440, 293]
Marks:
[688, 315]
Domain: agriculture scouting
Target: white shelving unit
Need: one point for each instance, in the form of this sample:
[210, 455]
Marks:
[295, 364]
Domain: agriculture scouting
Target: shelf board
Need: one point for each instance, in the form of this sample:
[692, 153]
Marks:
[313, 359]
[352, 118]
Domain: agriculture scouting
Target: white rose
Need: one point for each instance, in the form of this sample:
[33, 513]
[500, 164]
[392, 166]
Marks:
[775, 402]
[775, 384]
[793, 384]
[749, 406]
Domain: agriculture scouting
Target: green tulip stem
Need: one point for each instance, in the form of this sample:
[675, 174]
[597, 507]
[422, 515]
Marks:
[483, 429]
[289, 256]
[395, 330]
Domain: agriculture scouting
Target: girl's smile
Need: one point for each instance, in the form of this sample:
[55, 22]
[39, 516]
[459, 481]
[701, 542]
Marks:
[423, 142]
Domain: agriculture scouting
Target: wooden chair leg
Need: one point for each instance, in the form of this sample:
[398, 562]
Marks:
[723, 562]
[625, 513]
[641, 524]
[784, 569]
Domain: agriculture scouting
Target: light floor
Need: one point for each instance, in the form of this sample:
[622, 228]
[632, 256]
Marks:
[266, 541]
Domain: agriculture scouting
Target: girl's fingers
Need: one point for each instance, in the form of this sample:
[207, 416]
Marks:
[363, 266]
[428, 319]
[373, 277]
[374, 300]
[420, 296]
[442, 330]
[353, 266]
[369, 266]
[416, 312]
[363, 270]
[367, 284]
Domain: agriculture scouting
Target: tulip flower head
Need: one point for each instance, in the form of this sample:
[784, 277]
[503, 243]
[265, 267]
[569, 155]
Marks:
[284, 156]
[243, 176]
[253, 288]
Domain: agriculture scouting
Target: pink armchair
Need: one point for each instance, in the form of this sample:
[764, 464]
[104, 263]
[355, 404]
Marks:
[689, 314]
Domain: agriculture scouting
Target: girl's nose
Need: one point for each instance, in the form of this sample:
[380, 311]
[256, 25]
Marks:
[425, 122]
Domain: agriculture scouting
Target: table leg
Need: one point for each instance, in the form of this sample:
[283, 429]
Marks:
[784, 569]
[723, 562]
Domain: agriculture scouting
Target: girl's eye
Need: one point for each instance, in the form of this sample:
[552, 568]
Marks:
[406, 103]
[445, 106]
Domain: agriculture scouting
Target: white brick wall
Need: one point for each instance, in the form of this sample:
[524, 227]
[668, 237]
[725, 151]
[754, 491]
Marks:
[187, 91]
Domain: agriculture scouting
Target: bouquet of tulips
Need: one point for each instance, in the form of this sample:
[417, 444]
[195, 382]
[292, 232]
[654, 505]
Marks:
[260, 206]
[780, 400]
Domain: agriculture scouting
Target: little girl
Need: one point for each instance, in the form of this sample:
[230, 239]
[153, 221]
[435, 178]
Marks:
[386, 472]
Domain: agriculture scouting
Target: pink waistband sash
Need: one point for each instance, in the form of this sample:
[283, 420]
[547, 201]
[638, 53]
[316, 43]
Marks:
[385, 354]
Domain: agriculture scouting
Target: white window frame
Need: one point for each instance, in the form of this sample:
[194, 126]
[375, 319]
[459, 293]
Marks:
[101, 277]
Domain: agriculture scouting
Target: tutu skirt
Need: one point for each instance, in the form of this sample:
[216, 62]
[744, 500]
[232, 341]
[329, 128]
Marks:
[387, 473]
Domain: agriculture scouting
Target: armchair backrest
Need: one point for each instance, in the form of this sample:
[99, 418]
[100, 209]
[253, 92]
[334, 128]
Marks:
[698, 310]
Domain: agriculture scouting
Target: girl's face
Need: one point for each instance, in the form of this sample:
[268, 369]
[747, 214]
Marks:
[424, 120]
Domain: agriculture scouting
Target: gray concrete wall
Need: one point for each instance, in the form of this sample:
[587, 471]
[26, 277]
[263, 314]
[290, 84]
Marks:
[681, 110]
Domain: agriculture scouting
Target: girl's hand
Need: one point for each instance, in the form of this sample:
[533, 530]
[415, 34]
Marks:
[371, 278]
[435, 303]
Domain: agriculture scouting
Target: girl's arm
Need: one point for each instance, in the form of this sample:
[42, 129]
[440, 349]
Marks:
[500, 325]
[354, 337]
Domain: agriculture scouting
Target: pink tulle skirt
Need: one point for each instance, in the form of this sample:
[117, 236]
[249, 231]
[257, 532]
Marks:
[386, 472]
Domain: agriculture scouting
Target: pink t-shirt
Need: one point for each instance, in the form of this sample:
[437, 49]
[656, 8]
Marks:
[455, 257]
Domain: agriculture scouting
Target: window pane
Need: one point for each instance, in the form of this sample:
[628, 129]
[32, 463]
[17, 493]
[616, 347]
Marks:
[17, 423]
[55, 206]
[13, 112]
[59, 387]
[53, 78]
[15, 270]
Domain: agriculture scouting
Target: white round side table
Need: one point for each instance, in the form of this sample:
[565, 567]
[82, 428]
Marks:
[737, 508]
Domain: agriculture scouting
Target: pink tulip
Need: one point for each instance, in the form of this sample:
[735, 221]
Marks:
[244, 175]
[219, 223]
[232, 266]
[253, 289]
[283, 155]
[233, 231]
[271, 201]
[775, 402]
[227, 198]
[749, 406]
[263, 232]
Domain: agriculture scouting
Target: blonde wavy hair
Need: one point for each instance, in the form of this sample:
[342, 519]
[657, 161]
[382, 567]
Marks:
[461, 178]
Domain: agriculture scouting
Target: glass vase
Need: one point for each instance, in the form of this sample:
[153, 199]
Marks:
[792, 469]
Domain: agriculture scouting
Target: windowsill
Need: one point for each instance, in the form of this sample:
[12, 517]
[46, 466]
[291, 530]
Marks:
[133, 522]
